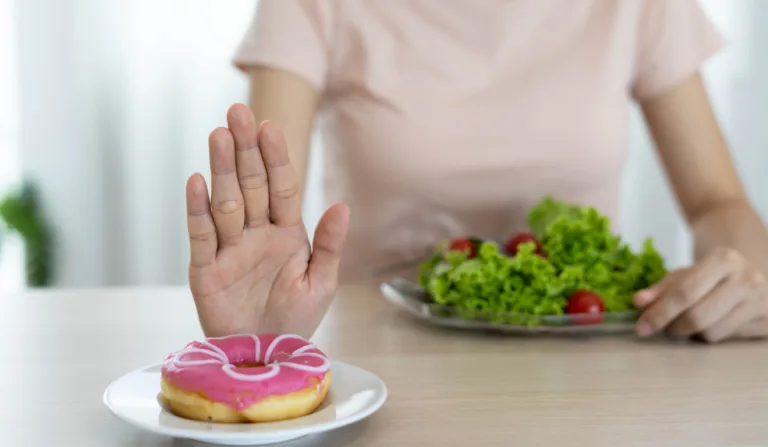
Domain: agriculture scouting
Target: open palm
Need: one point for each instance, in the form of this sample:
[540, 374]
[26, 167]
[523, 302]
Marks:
[251, 267]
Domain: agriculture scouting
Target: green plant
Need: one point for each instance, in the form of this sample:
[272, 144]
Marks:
[20, 211]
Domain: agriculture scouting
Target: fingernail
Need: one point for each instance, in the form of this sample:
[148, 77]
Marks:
[644, 329]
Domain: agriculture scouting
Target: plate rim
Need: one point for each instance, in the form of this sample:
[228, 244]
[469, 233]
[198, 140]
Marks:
[407, 304]
[296, 432]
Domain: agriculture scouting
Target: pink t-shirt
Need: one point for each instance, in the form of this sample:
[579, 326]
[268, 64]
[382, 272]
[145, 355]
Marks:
[443, 118]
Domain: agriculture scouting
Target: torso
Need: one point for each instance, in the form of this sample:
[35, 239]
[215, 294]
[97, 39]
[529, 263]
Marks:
[446, 117]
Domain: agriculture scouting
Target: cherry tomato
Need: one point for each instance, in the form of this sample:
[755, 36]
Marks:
[464, 245]
[588, 305]
[522, 238]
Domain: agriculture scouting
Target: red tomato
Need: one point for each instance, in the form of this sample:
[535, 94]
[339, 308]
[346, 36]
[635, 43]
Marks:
[588, 304]
[522, 238]
[464, 245]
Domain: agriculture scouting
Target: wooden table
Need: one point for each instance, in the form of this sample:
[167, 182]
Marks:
[60, 349]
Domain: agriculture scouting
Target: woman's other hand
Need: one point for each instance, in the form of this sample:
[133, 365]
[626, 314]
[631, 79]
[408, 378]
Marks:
[723, 296]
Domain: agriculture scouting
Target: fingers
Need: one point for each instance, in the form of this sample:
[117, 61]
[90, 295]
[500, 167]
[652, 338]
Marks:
[645, 297]
[251, 174]
[284, 189]
[687, 290]
[730, 324]
[709, 311]
[202, 231]
[755, 328]
[749, 319]
[226, 198]
[327, 247]
[265, 186]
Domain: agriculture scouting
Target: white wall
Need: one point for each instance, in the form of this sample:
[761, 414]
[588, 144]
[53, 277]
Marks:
[11, 248]
[118, 99]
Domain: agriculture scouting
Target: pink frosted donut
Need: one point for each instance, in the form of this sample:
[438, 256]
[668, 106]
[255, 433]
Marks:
[245, 378]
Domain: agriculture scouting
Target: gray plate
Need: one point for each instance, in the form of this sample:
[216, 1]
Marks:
[411, 298]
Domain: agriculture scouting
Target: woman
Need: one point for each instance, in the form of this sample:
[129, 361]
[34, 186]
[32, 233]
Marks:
[451, 117]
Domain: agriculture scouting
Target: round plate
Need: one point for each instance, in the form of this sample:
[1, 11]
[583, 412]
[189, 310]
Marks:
[354, 395]
[411, 298]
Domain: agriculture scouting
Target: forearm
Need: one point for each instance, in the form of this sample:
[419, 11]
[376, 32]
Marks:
[696, 157]
[291, 103]
[735, 225]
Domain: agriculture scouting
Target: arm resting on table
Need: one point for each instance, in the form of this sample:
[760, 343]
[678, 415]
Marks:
[698, 163]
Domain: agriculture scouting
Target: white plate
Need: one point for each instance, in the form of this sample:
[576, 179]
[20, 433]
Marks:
[354, 395]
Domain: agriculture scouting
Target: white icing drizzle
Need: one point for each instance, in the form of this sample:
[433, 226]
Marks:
[302, 349]
[256, 344]
[273, 371]
[182, 363]
[291, 363]
[274, 343]
[218, 350]
[224, 337]
[220, 357]
[257, 348]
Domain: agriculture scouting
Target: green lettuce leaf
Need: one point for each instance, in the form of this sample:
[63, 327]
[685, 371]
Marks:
[582, 254]
[494, 284]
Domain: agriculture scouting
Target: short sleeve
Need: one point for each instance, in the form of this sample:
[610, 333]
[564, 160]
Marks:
[675, 38]
[291, 35]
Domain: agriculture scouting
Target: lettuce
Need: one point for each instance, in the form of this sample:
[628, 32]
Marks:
[582, 254]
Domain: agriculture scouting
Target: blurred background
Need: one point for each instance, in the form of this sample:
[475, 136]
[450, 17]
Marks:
[106, 105]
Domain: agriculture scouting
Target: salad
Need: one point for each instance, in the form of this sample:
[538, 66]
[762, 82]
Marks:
[568, 263]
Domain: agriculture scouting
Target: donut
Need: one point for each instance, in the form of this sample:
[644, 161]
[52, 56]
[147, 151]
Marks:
[245, 378]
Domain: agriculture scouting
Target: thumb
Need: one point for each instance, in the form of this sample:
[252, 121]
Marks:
[646, 296]
[330, 234]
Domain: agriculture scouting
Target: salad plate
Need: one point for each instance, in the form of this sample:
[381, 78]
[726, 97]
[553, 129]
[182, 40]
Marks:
[566, 273]
[413, 300]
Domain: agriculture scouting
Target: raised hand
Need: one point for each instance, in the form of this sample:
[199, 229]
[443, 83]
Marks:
[251, 267]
